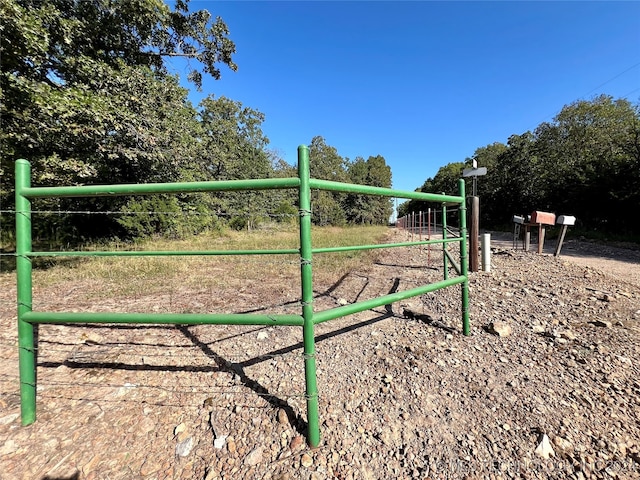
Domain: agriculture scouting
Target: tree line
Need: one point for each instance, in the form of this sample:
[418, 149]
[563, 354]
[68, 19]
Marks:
[585, 163]
[87, 98]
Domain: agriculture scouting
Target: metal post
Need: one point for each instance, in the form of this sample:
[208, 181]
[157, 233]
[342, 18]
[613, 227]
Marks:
[464, 261]
[486, 252]
[306, 277]
[26, 344]
[444, 237]
[429, 236]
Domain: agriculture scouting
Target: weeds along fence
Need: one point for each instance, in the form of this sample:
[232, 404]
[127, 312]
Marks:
[27, 318]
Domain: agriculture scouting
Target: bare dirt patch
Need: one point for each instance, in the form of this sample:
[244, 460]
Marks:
[400, 396]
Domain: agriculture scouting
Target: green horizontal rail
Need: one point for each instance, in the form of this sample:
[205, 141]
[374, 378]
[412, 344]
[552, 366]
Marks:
[345, 310]
[385, 192]
[163, 318]
[225, 185]
[181, 253]
[154, 188]
[160, 253]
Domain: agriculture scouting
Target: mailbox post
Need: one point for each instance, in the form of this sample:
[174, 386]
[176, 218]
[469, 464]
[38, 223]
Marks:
[517, 222]
[474, 232]
[565, 221]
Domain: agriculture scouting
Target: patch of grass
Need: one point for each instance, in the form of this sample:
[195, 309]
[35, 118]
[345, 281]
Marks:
[136, 276]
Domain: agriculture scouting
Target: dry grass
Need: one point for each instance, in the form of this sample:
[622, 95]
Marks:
[120, 277]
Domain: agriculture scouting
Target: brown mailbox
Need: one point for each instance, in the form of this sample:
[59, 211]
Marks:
[543, 218]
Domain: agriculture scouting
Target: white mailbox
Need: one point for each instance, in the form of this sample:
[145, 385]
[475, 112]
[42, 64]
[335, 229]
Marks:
[566, 220]
[518, 219]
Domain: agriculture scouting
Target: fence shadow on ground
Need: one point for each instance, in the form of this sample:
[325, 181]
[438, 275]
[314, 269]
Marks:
[221, 363]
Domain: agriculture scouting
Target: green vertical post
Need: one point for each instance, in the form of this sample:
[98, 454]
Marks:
[26, 350]
[306, 275]
[444, 244]
[464, 259]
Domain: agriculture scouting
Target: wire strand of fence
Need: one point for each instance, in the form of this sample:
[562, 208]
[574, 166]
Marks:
[93, 355]
[157, 212]
[175, 390]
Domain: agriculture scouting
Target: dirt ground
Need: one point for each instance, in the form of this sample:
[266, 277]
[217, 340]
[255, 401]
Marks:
[546, 386]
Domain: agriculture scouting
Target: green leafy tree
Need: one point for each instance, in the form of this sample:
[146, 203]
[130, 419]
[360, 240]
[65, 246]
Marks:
[590, 152]
[586, 162]
[369, 209]
[326, 164]
[233, 148]
[85, 94]
[517, 183]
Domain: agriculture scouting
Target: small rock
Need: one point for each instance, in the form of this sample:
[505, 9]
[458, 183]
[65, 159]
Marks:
[602, 323]
[146, 425]
[7, 419]
[282, 417]
[544, 448]
[181, 432]
[179, 429]
[9, 447]
[569, 335]
[219, 442]
[538, 328]
[212, 474]
[563, 444]
[296, 442]
[254, 457]
[231, 446]
[342, 301]
[502, 329]
[306, 460]
[184, 448]
[263, 335]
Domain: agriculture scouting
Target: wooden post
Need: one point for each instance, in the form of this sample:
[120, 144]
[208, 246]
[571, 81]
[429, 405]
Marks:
[563, 231]
[541, 232]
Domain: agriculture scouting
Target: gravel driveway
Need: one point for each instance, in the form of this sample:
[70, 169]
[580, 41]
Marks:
[546, 386]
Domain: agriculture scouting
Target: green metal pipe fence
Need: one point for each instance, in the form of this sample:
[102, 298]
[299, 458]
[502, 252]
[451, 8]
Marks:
[27, 318]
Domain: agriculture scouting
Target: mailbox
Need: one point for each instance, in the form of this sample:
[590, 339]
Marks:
[566, 220]
[543, 218]
[518, 219]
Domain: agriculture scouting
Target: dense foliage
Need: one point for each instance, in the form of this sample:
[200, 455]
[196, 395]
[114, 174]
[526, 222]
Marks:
[86, 97]
[585, 163]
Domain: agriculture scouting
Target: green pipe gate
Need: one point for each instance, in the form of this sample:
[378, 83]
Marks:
[27, 318]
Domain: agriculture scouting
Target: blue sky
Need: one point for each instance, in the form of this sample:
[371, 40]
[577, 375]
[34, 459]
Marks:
[426, 83]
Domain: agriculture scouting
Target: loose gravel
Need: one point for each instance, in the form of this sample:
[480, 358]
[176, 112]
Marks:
[546, 386]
